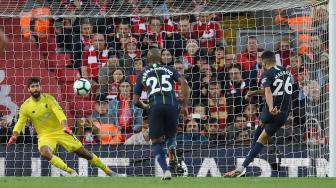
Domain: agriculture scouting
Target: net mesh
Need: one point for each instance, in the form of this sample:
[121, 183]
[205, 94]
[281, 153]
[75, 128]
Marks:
[215, 45]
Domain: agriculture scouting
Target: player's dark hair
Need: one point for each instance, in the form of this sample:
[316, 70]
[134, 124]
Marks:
[268, 57]
[33, 80]
[154, 56]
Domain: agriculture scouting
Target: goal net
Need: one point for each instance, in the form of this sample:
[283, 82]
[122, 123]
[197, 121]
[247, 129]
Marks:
[215, 45]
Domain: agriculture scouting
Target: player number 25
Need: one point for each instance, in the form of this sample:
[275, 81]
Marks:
[278, 84]
[153, 83]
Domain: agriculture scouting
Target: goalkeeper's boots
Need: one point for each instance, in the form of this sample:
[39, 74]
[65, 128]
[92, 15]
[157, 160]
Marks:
[238, 172]
[172, 159]
[166, 175]
[73, 174]
[112, 173]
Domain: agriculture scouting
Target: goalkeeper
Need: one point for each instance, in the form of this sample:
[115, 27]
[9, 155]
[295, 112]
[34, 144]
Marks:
[51, 126]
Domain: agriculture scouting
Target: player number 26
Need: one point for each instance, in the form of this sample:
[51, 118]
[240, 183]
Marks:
[278, 84]
[164, 86]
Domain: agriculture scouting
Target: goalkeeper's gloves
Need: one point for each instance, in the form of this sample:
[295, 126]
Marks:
[67, 130]
[12, 140]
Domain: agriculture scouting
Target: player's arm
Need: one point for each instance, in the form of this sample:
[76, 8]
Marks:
[137, 93]
[259, 92]
[269, 100]
[18, 126]
[185, 94]
[56, 108]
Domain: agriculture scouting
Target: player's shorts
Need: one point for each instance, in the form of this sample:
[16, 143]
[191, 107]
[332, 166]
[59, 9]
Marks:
[68, 142]
[273, 123]
[163, 121]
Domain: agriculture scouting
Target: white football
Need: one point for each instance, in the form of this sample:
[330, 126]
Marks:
[82, 87]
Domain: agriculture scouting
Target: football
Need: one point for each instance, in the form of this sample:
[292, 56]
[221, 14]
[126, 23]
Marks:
[82, 87]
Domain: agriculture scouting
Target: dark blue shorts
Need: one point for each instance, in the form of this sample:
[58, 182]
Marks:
[273, 123]
[163, 121]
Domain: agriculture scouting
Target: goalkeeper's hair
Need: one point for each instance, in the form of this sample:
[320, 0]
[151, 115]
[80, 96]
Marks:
[33, 80]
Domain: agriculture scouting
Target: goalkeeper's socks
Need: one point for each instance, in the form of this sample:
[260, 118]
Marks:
[256, 149]
[160, 156]
[257, 133]
[171, 143]
[98, 163]
[59, 163]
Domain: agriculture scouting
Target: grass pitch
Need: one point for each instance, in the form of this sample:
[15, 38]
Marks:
[155, 182]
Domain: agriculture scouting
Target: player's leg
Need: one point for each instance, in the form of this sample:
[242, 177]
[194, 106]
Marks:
[269, 130]
[257, 133]
[156, 132]
[46, 147]
[72, 144]
[94, 160]
[171, 122]
[256, 149]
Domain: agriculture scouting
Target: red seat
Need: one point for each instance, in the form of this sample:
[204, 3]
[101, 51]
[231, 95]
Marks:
[47, 45]
[20, 44]
[67, 75]
[10, 25]
[57, 60]
[17, 79]
[82, 107]
[66, 109]
[18, 60]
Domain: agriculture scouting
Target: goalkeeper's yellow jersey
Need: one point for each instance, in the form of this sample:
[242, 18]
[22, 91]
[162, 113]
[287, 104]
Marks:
[45, 115]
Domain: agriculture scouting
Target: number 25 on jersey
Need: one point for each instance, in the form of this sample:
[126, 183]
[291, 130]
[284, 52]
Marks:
[157, 86]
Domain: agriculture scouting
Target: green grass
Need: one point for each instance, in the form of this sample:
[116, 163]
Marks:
[155, 182]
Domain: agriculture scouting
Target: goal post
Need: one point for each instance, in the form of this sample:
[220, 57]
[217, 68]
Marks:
[332, 100]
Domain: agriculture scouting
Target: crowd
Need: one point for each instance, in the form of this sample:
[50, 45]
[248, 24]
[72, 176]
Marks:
[111, 52]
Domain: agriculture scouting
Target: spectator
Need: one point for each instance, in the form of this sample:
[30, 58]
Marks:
[208, 32]
[284, 50]
[235, 89]
[123, 31]
[239, 126]
[315, 50]
[191, 135]
[95, 58]
[251, 113]
[219, 64]
[141, 138]
[81, 42]
[167, 58]
[289, 133]
[248, 57]
[86, 131]
[105, 76]
[217, 104]
[126, 116]
[162, 37]
[118, 76]
[129, 54]
[35, 20]
[138, 66]
[296, 65]
[185, 31]
[213, 132]
[190, 54]
[229, 61]
[254, 76]
[100, 112]
[5, 130]
[200, 114]
[243, 137]
[299, 20]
